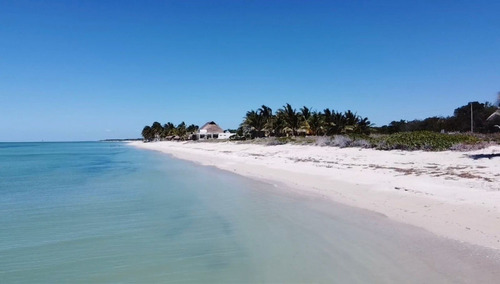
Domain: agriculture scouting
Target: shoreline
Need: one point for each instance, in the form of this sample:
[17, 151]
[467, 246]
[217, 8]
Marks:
[451, 194]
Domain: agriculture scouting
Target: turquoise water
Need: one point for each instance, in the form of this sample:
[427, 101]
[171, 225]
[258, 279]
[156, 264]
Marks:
[107, 212]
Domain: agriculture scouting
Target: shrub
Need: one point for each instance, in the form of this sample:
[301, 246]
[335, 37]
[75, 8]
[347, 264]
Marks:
[420, 140]
[323, 141]
[462, 147]
[341, 141]
[362, 143]
[424, 140]
[279, 141]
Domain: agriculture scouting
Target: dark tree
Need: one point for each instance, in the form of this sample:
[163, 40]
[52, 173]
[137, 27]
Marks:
[316, 123]
[181, 130]
[254, 123]
[157, 130]
[462, 116]
[147, 133]
[291, 117]
[192, 128]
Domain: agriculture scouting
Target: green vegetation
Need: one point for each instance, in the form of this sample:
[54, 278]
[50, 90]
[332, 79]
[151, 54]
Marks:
[422, 140]
[347, 129]
[168, 131]
[287, 121]
[459, 122]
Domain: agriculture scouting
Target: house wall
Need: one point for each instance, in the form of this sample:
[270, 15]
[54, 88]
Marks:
[225, 135]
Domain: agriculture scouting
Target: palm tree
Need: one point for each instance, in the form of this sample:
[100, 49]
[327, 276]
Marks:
[292, 118]
[265, 111]
[192, 128]
[168, 129]
[363, 126]
[350, 121]
[279, 124]
[254, 123]
[339, 122]
[328, 122]
[147, 133]
[267, 115]
[316, 123]
[181, 130]
[157, 130]
[305, 112]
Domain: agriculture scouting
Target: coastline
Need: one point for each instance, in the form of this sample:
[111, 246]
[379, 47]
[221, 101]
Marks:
[451, 194]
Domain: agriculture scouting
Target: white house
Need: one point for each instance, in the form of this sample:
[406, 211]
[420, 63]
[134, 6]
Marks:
[211, 130]
[226, 135]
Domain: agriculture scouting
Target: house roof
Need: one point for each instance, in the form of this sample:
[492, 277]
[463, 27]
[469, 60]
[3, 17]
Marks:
[494, 116]
[212, 127]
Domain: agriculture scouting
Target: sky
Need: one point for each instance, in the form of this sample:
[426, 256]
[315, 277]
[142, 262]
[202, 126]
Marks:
[90, 70]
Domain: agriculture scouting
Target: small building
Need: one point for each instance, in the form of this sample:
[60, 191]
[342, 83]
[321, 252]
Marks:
[211, 130]
[494, 117]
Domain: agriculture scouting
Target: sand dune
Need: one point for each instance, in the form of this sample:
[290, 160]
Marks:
[452, 194]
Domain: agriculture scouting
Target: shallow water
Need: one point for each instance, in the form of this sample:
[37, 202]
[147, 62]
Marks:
[107, 212]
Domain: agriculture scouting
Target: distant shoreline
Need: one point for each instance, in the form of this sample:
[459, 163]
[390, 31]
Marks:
[448, 193]
[121, 140]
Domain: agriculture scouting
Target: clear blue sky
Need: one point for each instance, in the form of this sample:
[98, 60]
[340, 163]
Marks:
[88, 70]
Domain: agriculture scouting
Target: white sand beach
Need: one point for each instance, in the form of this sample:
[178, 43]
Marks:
[452, 194]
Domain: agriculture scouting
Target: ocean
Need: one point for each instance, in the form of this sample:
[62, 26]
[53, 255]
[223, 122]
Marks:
[96, 212]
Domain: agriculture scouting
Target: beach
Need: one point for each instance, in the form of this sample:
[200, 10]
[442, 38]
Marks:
[455, 195]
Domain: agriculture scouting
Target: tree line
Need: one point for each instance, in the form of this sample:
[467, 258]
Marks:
[161, 132]
[288, 121]
[460, 121]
